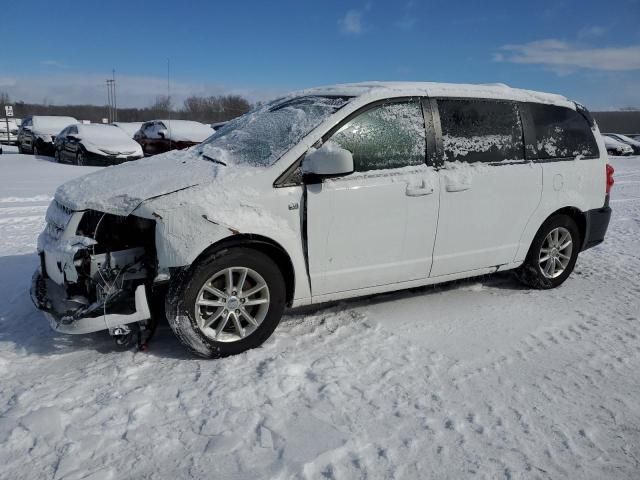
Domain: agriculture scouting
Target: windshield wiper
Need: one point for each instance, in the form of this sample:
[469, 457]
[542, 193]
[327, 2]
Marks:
[214, 160]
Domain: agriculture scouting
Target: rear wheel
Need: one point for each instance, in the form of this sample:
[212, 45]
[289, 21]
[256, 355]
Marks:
[552, 255]
[80, 158]
[56, 155]
[35, 150]
[229, 302]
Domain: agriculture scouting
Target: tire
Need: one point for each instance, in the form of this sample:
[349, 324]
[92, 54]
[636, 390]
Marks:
[56, 156]
[536, 272]
[80, 158]
[34, 150]
[20, 150]
[222, 338]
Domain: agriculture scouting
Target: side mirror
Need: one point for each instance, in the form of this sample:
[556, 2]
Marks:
[330, 160]
[162, 133]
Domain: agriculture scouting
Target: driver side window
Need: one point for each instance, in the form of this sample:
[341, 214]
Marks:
[390, 135]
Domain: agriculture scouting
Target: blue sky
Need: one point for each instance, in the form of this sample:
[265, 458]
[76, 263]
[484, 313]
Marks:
[63, 51]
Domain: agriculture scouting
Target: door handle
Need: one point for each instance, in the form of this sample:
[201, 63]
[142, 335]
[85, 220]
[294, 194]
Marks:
[418, 191]
[459, 187]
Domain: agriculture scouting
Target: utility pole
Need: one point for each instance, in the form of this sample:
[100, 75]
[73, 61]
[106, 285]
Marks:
[115, 103]
[169, 99]
[112, 108]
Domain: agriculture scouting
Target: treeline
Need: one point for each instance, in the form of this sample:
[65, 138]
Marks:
[210, 109]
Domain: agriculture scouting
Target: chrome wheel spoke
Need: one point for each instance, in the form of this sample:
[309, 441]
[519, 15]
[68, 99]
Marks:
[237, 325]
[229, 280]
[212, 318]
[254, 290]
[566, 245]
[214, 291]
[243, 279]
[248, 317]
[211, 303]
[223, 324]
[257, 301]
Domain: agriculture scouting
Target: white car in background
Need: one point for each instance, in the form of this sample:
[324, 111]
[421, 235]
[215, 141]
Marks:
[616, 147]
[95, 144]
[11, 135]
[633, 143]
[130, 128]
[326, 194]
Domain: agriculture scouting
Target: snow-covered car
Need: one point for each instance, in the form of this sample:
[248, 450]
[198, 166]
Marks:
[634, 144]
[159, 136]
[95, 144]
[322, 195]
[11, 135]
[129, 127]
[37, 133]
[616, 147]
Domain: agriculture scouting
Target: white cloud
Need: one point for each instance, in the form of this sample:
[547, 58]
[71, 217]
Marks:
[132, 91]
[591, 32]
[52, 63]
[351, 23]
[563, 57]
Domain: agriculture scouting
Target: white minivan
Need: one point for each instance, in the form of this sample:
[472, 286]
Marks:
[322, 195]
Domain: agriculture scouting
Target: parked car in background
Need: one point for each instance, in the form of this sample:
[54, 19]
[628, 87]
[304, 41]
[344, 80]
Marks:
[11, 135]
[95, 144]
[129, 127]
[634, 144]
[158, 136]
[327, 194]
[616, 147]
[635, 136]
[38, 133]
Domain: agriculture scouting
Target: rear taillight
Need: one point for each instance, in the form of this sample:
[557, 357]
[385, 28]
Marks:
[610, 180]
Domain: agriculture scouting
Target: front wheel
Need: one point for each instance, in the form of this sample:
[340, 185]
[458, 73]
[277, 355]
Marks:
[552, 255]
[227, 303]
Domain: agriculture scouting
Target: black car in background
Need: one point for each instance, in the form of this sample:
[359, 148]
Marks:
[38, 133]
[95, 144]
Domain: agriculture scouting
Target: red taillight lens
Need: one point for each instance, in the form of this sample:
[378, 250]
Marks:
[610, 180]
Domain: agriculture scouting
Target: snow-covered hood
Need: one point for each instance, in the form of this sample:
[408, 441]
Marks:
[122, 188]
[125, 146]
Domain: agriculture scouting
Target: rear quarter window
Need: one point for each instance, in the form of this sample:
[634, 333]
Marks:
[560, 132]
[480, 130]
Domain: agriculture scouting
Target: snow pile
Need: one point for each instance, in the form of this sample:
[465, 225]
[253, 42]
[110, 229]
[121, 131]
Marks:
[478, 378]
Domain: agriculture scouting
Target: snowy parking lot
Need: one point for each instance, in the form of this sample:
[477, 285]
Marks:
[477, 378]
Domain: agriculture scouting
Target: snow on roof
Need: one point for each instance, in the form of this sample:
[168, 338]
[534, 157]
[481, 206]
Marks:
[51, 124]
[187, 130]
[376, 90]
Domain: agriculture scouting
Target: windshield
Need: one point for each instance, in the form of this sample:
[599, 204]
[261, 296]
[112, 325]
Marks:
[262, 136]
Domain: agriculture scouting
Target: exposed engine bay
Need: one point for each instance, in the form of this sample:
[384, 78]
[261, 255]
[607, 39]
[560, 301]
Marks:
[96, 272]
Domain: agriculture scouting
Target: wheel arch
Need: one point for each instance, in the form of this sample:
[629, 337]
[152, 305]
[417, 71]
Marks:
[262, 244]
[578, 216]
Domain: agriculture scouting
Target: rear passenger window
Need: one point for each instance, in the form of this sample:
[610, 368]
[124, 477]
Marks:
[388, 136]
[561, 132]
[480, 130]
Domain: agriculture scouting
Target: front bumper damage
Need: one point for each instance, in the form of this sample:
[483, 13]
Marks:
[94, 271]
[67, 316]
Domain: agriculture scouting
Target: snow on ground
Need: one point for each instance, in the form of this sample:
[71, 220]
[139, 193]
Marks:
[479, 378]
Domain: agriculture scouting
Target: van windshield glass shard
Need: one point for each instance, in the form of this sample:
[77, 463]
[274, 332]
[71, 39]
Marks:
[262, 136]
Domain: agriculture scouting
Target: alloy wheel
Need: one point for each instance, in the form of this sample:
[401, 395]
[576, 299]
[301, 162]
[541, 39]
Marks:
[232, 304]
[555, 253]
